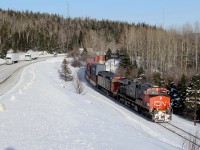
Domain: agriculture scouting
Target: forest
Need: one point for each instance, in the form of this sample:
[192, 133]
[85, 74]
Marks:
[169, 55]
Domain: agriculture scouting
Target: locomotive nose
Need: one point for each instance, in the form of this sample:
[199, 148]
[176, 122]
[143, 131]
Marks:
[160, 104]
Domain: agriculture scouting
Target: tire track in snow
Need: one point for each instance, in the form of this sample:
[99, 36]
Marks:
[13, 97]
[30, 83]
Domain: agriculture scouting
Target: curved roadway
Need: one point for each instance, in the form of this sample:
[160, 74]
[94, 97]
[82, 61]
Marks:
[8, 79]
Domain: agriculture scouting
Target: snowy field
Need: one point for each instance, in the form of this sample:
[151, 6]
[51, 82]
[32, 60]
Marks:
[43, 112]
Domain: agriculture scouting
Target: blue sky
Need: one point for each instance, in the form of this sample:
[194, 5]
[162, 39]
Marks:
[154, 12]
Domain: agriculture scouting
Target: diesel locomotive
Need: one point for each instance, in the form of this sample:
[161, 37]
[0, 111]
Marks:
[151, 100]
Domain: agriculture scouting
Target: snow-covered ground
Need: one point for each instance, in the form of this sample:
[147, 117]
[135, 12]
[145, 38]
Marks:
[44, 112]
[2, 61]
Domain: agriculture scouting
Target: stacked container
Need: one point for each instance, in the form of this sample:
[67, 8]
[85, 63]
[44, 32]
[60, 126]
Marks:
[95, 69]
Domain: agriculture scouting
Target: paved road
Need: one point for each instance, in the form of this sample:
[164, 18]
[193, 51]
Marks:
[9, 74]
[7, 70]
[8, 79]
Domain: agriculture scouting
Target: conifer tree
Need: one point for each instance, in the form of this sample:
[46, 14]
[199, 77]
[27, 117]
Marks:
[140, 72]
[175, 99]
[193, 93]
[108, 53]
[182, 86]
[181, 92]
[125, 66]
[195, 82]
[65, 70]
[125, 59]
[157, 78]
[117, 53]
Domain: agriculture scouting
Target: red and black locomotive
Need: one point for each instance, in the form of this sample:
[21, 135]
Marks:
[148, 99]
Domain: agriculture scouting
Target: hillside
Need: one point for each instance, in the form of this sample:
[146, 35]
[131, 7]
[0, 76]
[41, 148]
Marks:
[158, 49]
[58, 118]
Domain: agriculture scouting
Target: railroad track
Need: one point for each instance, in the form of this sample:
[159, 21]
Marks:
[194, 139]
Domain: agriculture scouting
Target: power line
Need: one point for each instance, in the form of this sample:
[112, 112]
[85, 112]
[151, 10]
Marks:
[68, 9]
[163, 17]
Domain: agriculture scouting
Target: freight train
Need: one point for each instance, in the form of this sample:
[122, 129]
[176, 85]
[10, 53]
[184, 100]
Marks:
[148, 99]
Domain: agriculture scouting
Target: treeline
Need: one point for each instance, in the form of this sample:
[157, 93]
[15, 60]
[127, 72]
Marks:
[155, 49]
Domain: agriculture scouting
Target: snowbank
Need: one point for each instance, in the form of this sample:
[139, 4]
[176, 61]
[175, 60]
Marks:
[2, 61]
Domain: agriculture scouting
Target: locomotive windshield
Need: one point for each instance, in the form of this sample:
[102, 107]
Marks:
[157, 91]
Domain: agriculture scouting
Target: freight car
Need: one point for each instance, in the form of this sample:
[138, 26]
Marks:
[109, 82]
[146, 98]
[87, 71]
[96, 59]
[95, 68]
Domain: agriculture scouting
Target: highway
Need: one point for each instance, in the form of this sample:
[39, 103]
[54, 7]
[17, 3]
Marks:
[9, 74]
[7, 70]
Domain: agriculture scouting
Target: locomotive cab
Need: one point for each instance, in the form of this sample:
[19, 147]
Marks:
[158, 102]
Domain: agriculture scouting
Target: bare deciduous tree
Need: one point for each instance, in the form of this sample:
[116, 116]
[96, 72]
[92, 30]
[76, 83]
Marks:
[78, 84]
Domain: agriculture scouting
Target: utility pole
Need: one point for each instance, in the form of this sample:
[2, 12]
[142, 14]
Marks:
[163, 17]
[195, 108]
[68, 9]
